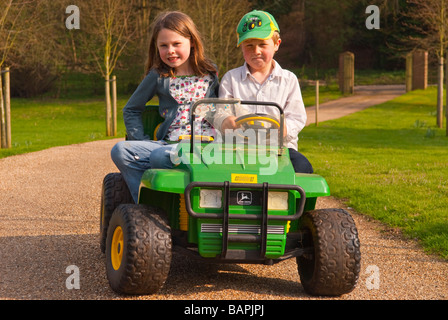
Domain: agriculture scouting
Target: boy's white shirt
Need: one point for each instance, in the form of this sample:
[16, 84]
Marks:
[282, 87]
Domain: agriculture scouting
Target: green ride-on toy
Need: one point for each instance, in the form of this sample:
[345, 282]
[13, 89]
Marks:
[232, 197]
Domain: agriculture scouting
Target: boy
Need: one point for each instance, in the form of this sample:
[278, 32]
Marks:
[262, 79]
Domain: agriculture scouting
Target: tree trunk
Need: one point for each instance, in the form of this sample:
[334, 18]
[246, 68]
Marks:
[114, 105]
[2, 115]
[440, 93]
[7, 99]
[108, 106]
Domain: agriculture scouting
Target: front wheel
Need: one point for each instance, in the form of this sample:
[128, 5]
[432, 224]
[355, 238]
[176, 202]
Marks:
[114, 192]
[138, 249]
[332, 268]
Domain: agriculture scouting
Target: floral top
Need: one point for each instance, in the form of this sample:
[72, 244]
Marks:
[187, 90]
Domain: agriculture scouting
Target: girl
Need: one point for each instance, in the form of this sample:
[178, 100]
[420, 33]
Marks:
[179, 74]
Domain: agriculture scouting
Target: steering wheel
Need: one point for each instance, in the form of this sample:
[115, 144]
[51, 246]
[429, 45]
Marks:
[257, 121]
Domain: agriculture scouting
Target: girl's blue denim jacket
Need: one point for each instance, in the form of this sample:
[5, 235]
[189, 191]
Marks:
[153, 84]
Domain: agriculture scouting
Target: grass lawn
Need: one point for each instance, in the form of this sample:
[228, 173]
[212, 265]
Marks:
[326, 93]
[389, 162]
[39, 124]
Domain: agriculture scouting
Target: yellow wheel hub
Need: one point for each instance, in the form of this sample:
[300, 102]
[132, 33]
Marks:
[116, 250]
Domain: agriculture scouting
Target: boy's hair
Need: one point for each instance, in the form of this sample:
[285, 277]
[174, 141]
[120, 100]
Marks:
[276, 36]
[182, 24]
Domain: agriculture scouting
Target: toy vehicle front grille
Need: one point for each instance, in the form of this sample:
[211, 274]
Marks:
[241, 228]
[261, 235]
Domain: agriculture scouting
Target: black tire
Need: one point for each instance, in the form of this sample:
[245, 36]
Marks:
[114, 192]
[141, 263]
[333, 267]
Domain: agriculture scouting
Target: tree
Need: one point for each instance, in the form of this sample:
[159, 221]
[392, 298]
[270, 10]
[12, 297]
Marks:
[108, 27]
[217, 21]
[40, 54]
[11, 25]
[327, 27]
[277, 8]
[430, 19]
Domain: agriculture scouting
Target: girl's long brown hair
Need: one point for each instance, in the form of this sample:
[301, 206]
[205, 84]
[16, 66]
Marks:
[182, 24]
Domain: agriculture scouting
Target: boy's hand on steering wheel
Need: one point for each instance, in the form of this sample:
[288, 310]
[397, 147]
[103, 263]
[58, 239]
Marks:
[229, 123]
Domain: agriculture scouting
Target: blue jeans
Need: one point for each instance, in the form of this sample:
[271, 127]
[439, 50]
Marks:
[300, 163]
[133, 158]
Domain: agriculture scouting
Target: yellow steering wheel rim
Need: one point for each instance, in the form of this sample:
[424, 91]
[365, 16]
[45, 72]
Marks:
[258, 118]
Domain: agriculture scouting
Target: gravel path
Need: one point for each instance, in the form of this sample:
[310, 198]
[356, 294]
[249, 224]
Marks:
[49, 220]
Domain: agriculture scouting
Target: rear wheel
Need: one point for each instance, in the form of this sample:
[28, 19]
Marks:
[138, 249]
[333, 267]
[114, 192]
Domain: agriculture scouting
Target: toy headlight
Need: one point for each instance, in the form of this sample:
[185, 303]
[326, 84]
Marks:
[209, 198]
[277, 200]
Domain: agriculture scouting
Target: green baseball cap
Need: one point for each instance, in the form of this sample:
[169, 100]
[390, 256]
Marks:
[256, 25]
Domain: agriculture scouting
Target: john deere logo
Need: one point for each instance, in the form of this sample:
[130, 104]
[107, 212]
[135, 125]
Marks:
[251, 24]
[244, 198]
